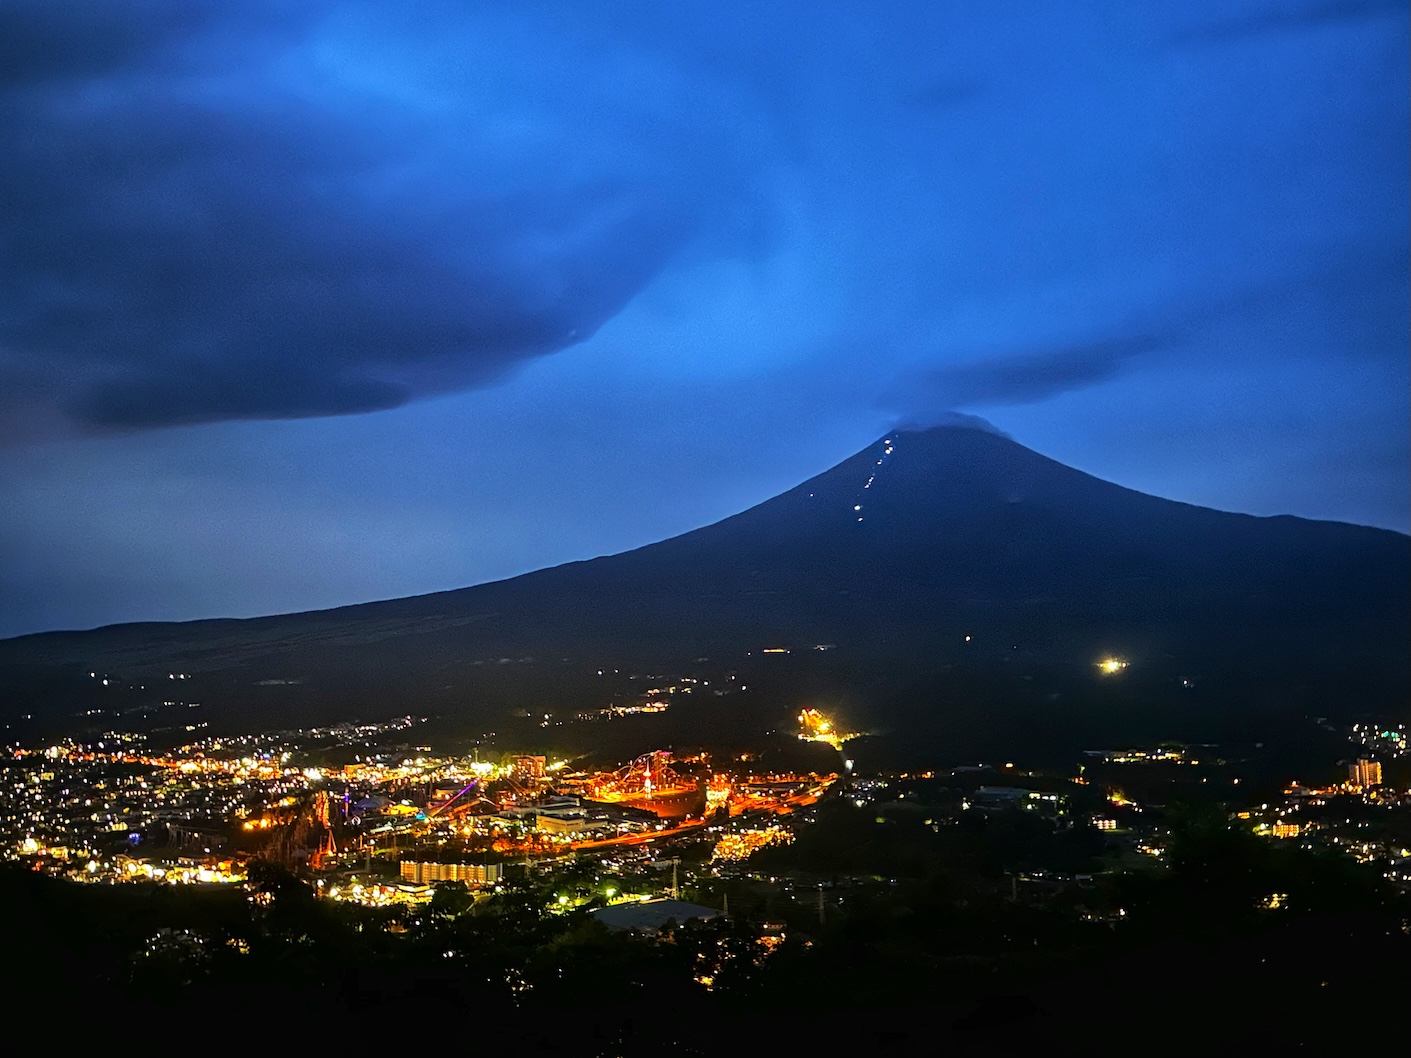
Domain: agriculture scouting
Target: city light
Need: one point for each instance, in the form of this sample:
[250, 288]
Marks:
[816, 727]
[740, 845]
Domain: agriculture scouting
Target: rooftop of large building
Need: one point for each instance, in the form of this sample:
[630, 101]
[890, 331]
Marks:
[652, 915]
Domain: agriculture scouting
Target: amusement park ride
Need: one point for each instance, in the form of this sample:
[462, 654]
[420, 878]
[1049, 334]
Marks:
[674, 790]
[651, 782]
[327, 848]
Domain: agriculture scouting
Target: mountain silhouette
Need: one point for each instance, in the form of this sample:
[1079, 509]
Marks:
[948, 569]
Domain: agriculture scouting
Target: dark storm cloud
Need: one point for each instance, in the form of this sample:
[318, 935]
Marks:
[185, 238]
[1285, 18]
[1016, 378]
[42, 42]
[947, 417]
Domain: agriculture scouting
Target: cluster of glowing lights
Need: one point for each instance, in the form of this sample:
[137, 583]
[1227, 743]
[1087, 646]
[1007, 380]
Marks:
[718, 791]
[1112, 666]
[741, 845]
[886, 451]
[816, 727]
[223, 873]
[375, 895]
[653, 706]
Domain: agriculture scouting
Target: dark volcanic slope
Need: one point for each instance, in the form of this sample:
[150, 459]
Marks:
[895, 556]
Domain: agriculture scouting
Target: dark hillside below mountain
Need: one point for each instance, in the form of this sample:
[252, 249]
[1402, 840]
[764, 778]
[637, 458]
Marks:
[954, 577]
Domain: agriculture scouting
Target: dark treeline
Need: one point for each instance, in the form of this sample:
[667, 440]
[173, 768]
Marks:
[1237, 940]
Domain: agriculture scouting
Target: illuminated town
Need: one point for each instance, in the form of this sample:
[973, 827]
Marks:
[381, 829]
[740, 868]
[390, 825]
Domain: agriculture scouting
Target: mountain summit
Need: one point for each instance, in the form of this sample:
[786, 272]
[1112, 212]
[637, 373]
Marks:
[929, 556]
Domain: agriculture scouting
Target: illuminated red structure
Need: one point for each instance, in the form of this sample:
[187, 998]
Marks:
[651, 782]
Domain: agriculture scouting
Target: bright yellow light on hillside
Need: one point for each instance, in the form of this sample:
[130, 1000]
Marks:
[1111, 666]
[815, 727]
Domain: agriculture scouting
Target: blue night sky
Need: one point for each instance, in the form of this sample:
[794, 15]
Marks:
[369, 300]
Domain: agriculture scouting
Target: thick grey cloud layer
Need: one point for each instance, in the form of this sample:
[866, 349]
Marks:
[189, 234]
[1019, 378]
[241, 210]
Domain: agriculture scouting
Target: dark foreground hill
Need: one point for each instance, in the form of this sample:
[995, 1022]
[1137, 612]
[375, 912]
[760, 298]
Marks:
[948, 583]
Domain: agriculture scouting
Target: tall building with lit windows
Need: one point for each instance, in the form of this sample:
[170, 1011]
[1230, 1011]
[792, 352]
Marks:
[470, 873]
[1364, 773]
[529, 767]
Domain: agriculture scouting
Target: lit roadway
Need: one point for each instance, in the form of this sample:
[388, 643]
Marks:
[639, 839]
